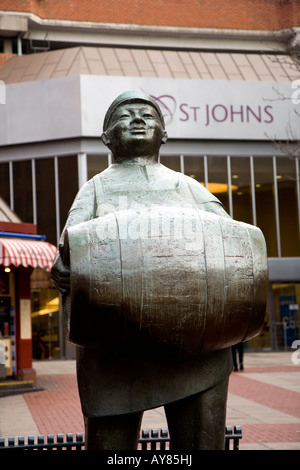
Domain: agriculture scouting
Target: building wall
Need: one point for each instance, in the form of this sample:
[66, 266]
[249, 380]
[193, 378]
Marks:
[238, 14]
[54, 169]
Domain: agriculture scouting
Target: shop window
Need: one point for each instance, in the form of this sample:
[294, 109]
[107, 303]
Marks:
[68, 185]
[288, 206]
[194, 167]
[96, 164]
[171, 162]
[22, 179]
[286, 300]
[45, 191]
[4, 182]
[265, 202]
[45, 316]
[241, 189]
[4, 305]
[218, 179]
[7, 326]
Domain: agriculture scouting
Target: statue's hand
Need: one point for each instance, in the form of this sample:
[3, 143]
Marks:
[61, 276]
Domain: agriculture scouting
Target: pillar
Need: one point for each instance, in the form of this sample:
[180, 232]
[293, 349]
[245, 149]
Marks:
[23, 326]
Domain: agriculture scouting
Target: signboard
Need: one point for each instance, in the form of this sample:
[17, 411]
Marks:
[6, 350]
[25, 316]
[202, 109]
[288, 315]
[72, 107]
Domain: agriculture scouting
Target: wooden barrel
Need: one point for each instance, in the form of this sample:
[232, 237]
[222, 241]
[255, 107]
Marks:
[169, 281]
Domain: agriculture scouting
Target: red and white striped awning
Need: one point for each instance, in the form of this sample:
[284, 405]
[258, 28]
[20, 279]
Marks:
[23, 252]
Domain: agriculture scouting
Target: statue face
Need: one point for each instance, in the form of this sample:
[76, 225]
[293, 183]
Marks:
[135, 129]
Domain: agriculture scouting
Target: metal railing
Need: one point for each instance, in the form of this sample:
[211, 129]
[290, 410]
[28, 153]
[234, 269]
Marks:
[153, 439]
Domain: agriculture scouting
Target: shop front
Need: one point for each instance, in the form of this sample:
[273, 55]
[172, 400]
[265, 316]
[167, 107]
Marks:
[45, 317]
[22, 252]
[286, 309]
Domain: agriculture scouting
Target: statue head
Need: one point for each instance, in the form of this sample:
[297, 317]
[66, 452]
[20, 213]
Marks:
[134, 126]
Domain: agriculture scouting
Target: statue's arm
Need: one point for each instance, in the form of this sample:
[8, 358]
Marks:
[82, 210]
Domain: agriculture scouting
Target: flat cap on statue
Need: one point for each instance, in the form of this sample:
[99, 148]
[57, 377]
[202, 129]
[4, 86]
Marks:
[129, 97]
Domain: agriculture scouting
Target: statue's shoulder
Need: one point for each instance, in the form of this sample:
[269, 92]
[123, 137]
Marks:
[103, 175]
[109, 170]
[198, 190]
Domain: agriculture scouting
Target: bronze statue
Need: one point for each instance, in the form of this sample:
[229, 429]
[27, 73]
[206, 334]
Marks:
[157, 283]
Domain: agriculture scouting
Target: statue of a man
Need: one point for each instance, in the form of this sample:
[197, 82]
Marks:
[115, 389]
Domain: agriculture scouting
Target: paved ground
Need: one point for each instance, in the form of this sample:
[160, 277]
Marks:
[264, 399]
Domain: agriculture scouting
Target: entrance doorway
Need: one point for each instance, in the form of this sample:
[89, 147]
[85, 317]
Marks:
[286, 302]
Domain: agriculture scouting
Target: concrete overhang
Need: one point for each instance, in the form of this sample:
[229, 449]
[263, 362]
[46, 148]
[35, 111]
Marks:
[118, 34]
[284, 269]
[12, 25]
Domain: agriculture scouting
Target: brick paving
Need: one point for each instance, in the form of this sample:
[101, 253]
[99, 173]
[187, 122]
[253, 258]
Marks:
[56, 409]
[265, 433]
[271, 396]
